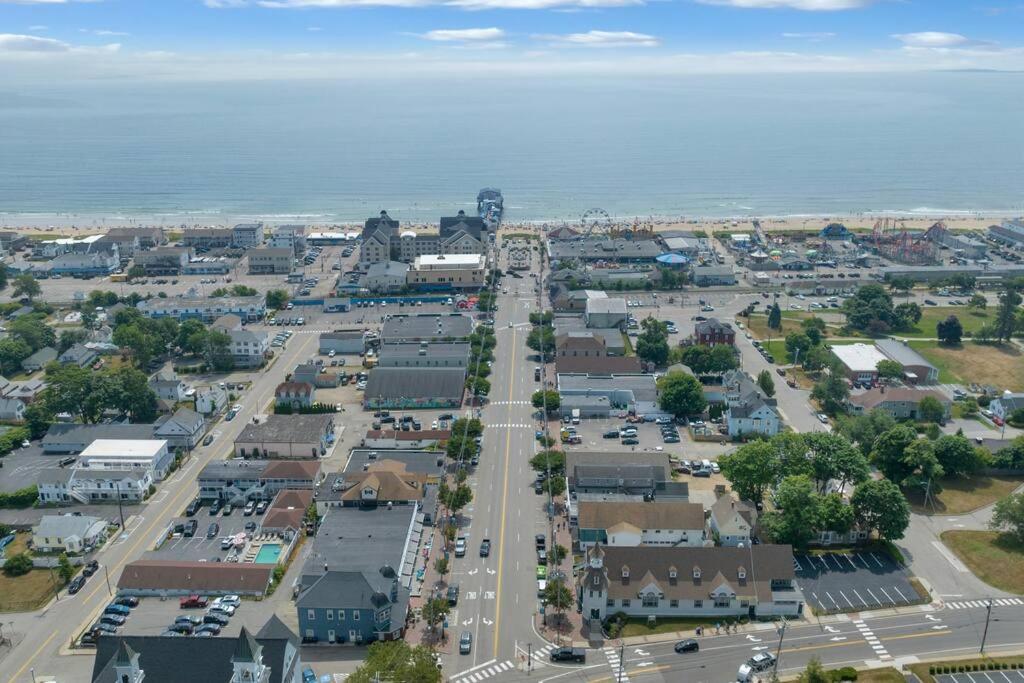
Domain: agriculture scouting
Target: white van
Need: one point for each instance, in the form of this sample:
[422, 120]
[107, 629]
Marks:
[705, 465]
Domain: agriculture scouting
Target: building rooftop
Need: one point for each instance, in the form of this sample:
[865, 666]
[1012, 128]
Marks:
[419, 461]
[652, 515]
[197, 577]
[71, 433]
[413, 383]
[124, 448]
[437, 261]
[596, 249]
[643, 387]
[416, 327]
[859, 357]
[286, 429]
[360, 539]
[62, 526]
[901, 353]
[437, 350]
[592, 364]
[878, 395]
[288, 510]
[607, 305]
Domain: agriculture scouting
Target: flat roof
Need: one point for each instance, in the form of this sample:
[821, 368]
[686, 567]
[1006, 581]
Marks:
[286, 429]
[859, 357]
[124, 448]
[415, 327]
[359, 539]
[450, 260]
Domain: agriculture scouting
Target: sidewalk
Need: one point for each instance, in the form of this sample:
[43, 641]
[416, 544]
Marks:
[425, 580]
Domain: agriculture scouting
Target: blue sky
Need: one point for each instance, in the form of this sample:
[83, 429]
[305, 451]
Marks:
[309, 38]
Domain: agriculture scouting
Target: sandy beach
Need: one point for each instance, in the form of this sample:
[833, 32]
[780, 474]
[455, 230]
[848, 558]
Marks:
[81, 225]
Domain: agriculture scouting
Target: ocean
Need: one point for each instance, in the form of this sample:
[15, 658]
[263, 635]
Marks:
[721, 146]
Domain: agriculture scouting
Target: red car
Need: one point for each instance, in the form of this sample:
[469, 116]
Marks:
[193, 602]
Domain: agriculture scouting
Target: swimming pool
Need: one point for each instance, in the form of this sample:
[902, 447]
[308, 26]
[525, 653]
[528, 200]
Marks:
[268, 554]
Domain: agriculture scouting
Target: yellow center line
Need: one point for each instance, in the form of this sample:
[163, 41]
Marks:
[823, 646]
[124, 560]
[504, 497]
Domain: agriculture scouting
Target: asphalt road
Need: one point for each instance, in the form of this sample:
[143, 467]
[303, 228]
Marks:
[43, 637]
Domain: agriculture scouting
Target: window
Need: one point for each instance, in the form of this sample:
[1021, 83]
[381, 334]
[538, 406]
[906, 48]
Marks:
[672, 572]
[355, 615]
[625, 602]
[597, 580]
[650, 600]
[698, 604]
[330, 615]
[311, 614]
[673, 603]
[742, 573]
[609, 603]
[625, 572]
[744, 603]
[696, 572]
[722, 602]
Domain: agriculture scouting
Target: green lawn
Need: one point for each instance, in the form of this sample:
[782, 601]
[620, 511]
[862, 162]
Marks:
[639, 627]
[758, 326]
[932, 315]
[964, 494]
[29, 591]
[1001, 366]
[997, 559]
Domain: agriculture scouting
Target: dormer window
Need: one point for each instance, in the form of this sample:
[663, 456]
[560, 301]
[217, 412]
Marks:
[625, 572]
[672, 573]
[741, 573]
[696, 572]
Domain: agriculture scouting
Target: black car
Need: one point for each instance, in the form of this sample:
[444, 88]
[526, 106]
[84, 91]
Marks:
[611, 434]
[485, 547]
[630, 441]
[688, 645]
[215, 618]
[212, 530]
[193, 507]
[76, 584]
[90, 568]
[208, 440]
[453, 595]
[127, 601]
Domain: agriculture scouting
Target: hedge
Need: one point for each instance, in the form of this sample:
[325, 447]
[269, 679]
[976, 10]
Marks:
[22, 498]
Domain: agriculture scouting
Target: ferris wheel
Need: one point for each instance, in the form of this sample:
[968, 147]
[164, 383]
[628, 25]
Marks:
[595, 222]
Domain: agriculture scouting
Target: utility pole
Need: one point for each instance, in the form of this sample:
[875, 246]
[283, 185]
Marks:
[106, 575]
[988, 618]
[778, 650]
[529, 657]
[622, 653]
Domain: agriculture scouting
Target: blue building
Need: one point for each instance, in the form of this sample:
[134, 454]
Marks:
[352, 589]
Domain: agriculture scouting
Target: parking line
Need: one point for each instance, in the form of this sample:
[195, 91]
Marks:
[848, 599]
[887, 595]
[897, 589]
[875, 558]
[797, 560]
[833, 599]
[874, 596]
[859, 597]
[850, 560]
[823, 562]
[860, 556]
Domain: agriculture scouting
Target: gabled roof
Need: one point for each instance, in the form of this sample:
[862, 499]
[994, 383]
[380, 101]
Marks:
[877, 396]
[199, 577]
[642, 515]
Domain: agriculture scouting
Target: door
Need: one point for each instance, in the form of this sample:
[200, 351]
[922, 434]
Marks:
[595, 613]
[353, 635]
[330, 636]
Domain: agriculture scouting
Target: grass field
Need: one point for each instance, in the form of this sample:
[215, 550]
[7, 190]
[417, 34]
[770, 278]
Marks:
[639, 627]
[1000, 366]
[758, 326]
[932, 315]
[886, 675]
[28, 592]
[994, 558]
[962, 494]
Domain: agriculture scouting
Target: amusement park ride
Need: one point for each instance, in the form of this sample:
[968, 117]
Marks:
[891, 239]
[597, 222]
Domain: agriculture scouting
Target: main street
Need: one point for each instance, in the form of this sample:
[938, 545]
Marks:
[42, 638]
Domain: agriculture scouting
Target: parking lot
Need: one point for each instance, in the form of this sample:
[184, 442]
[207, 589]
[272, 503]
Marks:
[1010, 676]
[21, 467]
[153, 616]
[852, 581]
[199, 547]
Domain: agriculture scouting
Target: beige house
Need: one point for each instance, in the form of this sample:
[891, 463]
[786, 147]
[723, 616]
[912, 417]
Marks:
[68, 533]
[448, 271]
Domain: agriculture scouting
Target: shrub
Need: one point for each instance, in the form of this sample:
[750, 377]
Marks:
[18, 565]
[22, 498]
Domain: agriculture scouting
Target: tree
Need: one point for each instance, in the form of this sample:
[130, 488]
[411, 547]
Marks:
[441, 565]
[949, 331]
[32, 330]
[277, 299]
[922, 465]
[136, 400]
[977, 302]
[969, 406]
[549, 460]
[929, 409]
[767, 384]
[25, 286]
[870, 309]
[461, 447]
[191, 336]
[1008, 516]
[455, 498]
[906, 315]
[834, 514]
[795, 517]
[879, 505]
[3, 276]
[816, 358]
[217, 351]
[542, 340]
[814, 673]
[813, 323]
[723, 358]
[680, 393]
[652, 344]
[834, 458]
[38, 418]
[557, 595]
[797, 343]
[468, 426]
[18, 565]
[864, 429]
[555, 486]
[69, 338]
[64, 568]
[957, 455]
[887, 452]
[546, 400]
[775, 317]
[889, 369]
[901, 284]
[136, 272]
[12, 352]
[831, 392]
[752, 469]
[395, 660]
[478, 386]
[435, 610]
[1006, 314]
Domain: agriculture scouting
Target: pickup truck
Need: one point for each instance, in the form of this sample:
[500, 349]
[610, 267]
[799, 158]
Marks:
[192, 602]
[569, 654]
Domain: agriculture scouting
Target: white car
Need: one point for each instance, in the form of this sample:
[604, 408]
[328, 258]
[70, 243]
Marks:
[822, 418]
[232, 600]
[795, 307]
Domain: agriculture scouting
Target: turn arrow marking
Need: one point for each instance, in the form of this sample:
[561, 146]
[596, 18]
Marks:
[831, 629]
[837, 639]
[753, 639]
[641, 653]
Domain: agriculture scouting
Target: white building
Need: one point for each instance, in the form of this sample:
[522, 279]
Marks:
[210, 400]
[860, 361]
[448, 271]
[68, 533]
[248, 348]
[131, 455]
[732, 522]
[631, 524]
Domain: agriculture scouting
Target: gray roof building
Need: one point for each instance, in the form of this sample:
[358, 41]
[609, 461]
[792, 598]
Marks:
[286, 429]
[424, 355]
[63, 437]
[417, 328]
[39, 359]
[411, 387]
[600, 249]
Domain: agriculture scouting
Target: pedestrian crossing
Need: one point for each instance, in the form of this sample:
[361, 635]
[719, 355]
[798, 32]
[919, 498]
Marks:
[972, 604]
[483, 672]
[619, 674]
[507, 425]
[872, 639]
[510, 403]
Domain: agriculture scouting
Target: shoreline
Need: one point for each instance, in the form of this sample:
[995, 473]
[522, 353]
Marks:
[85, 224]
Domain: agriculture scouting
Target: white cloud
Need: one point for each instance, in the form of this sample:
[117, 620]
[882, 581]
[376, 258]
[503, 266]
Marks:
[225, 4]
[813, 35]
[14, 42]
[931, 39]
[38, 27]
[314, 29]
[465, 35]
[601, 39]
[105, 32]
[807, 5]
[463, 4]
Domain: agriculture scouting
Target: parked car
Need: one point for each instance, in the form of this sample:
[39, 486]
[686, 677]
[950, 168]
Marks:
[465, 643]
[212, 530]
[90, 568]
[568, 654]
[688, 645]
[193, 602]
[485, 547]
[453, 594]
[114, 619]
[127, 601]
[630, 441]
[114, 608]
[189, 619]
[215, 618]
[76, 584]
[611, 434]
[460, 546]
